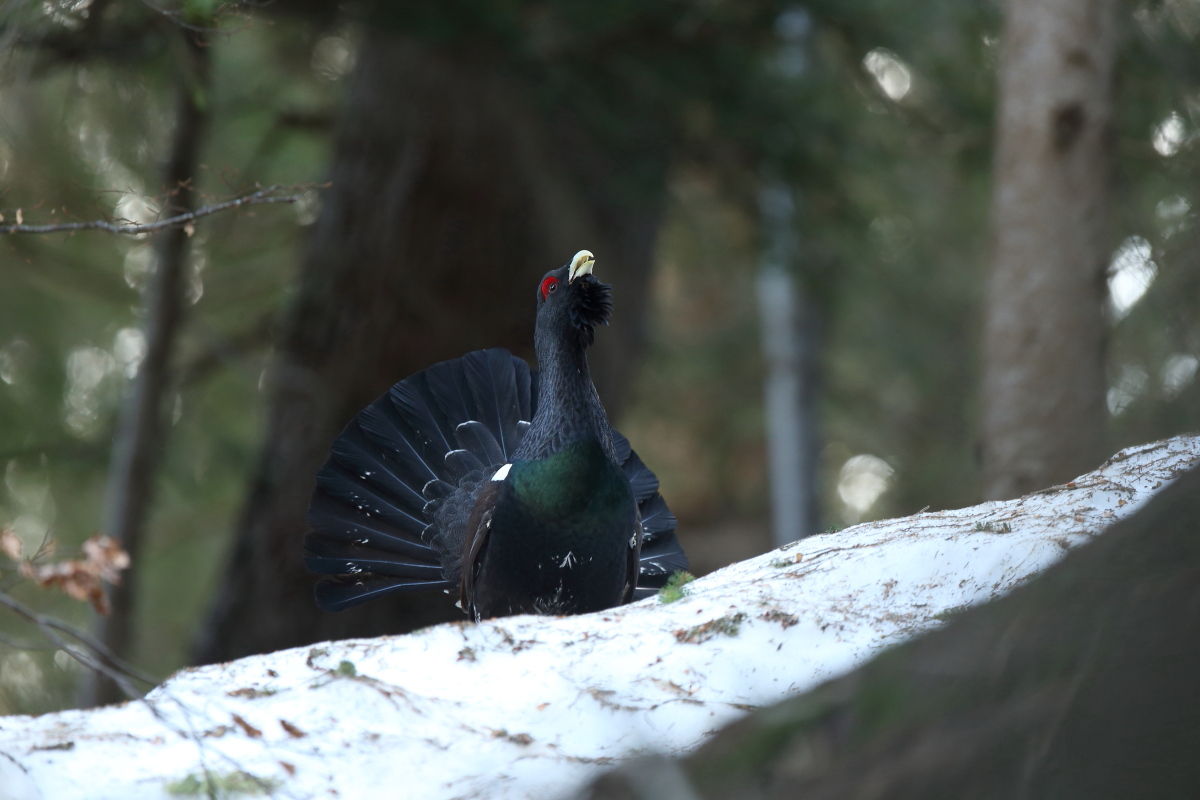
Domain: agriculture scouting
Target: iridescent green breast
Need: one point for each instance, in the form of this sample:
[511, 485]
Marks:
[559, 540]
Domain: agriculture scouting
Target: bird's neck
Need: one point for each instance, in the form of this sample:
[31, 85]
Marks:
[568, 407]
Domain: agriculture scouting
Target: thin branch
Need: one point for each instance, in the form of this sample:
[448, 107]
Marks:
[103, 660]
[48, 623]
[265, 196]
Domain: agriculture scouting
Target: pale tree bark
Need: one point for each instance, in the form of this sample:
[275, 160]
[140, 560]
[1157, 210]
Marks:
[790, 327]
[1043, 374]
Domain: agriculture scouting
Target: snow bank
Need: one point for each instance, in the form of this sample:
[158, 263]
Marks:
[534, 706]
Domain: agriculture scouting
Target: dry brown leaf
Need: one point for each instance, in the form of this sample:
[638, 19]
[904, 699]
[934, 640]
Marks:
[106, 557]
[10, 544]
[247, 728]
[83, 579]
[74, 578]
[292, 730]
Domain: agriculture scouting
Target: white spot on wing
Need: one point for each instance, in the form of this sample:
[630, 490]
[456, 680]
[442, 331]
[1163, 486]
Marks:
[502, 473]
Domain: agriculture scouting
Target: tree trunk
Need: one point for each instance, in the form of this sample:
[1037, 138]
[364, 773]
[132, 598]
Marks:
[790, 333]
[451, 195]
[139, 439]
[1043, 374]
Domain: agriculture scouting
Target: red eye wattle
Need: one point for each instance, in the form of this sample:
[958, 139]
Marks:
[548, 286]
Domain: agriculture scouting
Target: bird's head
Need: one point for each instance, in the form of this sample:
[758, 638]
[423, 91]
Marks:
[571, 299]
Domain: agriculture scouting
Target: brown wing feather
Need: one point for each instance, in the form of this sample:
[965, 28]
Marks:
[479, 525]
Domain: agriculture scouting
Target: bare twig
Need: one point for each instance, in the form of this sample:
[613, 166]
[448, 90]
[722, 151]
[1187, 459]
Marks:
[264, 196]
[95, 657]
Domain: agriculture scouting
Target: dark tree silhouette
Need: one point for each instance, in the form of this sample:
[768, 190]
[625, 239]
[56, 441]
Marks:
[139, 441]
[453, 189]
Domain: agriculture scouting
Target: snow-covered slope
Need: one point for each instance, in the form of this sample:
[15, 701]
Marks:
[533, 706]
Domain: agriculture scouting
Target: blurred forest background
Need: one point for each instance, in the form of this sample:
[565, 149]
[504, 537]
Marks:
[178, 389]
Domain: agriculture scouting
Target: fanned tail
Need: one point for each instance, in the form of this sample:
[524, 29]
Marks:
[433, 435]
[380, 518]
[661, 554]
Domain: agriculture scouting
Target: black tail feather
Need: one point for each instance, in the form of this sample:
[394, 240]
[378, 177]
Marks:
[389, 441]
[428, 437]
[372, 563]
[659, 559]
[368, 499]
[462, 463]
[657, 519]
[354, 447]
[502, 402]
[420, 419]
[661, 553]
[621, 446]
[641, 592]
[335, 594]
[474, 436]
[334, 523]
[642, 481]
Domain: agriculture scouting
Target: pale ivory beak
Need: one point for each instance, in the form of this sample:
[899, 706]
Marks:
[581, 264]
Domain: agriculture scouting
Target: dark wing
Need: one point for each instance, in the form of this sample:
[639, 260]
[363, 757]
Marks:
[478, 526]
[633, 563]
[389, 510]
[661, 553]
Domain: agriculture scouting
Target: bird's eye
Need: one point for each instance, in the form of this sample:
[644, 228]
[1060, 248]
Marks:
[548, 286]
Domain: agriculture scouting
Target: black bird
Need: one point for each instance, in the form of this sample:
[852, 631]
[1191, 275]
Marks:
[504, 486]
